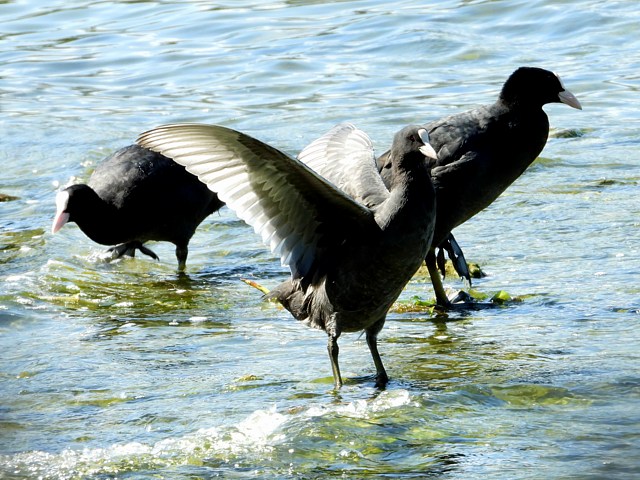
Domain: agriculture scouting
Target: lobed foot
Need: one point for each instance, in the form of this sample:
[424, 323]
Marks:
[128, 249]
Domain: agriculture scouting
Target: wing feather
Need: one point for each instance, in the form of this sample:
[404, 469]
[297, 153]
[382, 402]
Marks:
[297, 212]
[345, 157]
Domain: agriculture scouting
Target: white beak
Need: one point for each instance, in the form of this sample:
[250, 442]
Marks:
[570, 99]
[427, 150]
[62, 217]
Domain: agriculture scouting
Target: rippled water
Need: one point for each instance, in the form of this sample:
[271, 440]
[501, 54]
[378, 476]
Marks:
[127, 370]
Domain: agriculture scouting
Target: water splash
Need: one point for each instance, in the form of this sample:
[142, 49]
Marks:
[249, 441]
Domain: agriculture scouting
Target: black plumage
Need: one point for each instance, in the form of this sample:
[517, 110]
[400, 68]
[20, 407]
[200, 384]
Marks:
[135, 196]
[483, 151]
[351, 243]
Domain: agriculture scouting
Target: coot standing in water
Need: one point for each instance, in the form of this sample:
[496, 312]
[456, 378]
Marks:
[351, 245]
[483, 151]
[135, 196]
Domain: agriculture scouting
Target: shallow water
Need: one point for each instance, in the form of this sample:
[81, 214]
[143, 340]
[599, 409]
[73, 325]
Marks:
[126, 370]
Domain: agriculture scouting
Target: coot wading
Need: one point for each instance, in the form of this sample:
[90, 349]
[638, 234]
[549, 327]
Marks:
[351, 243]
[135, 196]
[480, 153]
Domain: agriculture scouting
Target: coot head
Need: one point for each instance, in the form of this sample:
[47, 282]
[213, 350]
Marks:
[73, 204]
[413, 142]
[531, 86]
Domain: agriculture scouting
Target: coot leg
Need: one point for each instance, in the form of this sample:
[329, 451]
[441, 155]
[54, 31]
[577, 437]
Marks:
[441, 296]
[372, 341]
[441, 262]
[332, 347]
[123, 250]
[128, 249]
[147, 251]
[181, 255]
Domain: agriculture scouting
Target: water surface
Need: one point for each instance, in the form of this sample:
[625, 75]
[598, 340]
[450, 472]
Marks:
[127, 370]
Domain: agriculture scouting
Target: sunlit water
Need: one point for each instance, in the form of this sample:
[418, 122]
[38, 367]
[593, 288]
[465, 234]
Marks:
[127, 370]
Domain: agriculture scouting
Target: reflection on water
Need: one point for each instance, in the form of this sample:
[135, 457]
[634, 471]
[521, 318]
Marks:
[129, 370]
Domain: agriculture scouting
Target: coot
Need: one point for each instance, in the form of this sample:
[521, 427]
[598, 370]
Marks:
[135, 196]
[351, 243]
[483, 151]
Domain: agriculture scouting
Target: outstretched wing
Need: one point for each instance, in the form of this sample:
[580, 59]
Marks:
[344, 156]
[297, 212]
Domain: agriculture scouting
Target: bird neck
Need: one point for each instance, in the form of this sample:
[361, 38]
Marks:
[100, 221]
[410, 185]
[409, 171]
[512, 100]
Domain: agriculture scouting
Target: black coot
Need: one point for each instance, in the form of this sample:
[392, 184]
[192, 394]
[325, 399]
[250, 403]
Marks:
[135, 196]
[351, 245]
[483, 151]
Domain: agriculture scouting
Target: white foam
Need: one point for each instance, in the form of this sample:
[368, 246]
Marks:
[363, 408]
[256, 433]
[259, 433]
